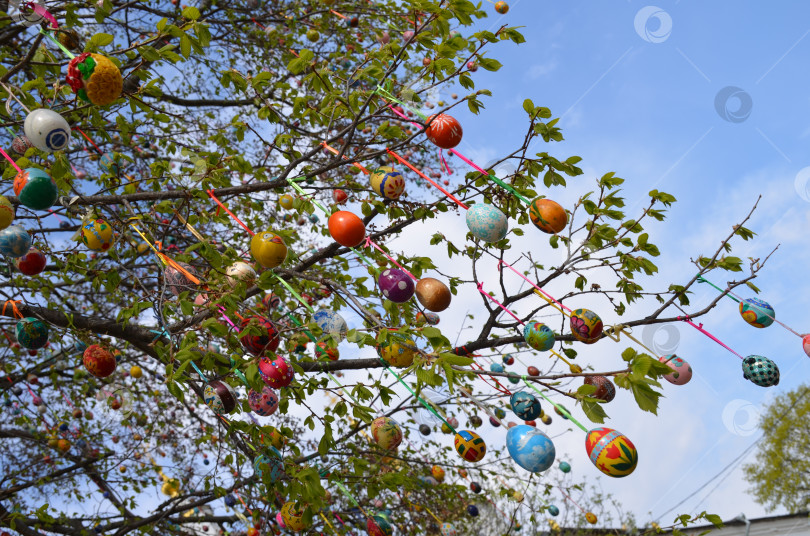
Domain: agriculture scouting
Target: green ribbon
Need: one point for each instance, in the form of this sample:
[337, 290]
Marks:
[559, 407]
[390, 97]
[294, 293]
[239, 373]
[307, 196]
[408, 387]
[702, 279]
[50, 36]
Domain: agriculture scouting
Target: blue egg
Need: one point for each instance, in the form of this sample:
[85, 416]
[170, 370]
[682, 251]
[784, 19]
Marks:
[530, 448]
[553, 510]
[270, 464]
[487, 223]
[496, 367]
[472, 510]
[14, 241]
[760, 370]
[565, 467]
[330, 322]
[525, 405]
[538, 335]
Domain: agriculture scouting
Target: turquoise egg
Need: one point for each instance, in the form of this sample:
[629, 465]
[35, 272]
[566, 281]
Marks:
[270, 463]
[496, 367]
[32, 333]
[757, 312]
[525, 405]
[538, 335]
[530, 448]
[14, 241]
[487, 223]
[760, 370]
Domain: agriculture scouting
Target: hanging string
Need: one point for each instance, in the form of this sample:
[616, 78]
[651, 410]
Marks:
[417, 397]
[336, 152]
[369, 242]
[499, 304]
[572, 500]
[294, 293]
[13, 96]
[498, 387]
[699, 327]
[431, 181]
[538, 290]
[16, 312]
[346, 492]
[576, 369]
[484, 408]
[11, 161]
[559, 407]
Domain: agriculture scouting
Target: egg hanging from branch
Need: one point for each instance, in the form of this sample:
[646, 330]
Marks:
[95, 78]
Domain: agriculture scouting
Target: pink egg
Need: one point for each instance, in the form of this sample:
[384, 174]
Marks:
[681, 371]
[263, 403]
[806, 344]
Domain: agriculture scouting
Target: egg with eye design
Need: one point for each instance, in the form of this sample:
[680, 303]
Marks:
[47, 130]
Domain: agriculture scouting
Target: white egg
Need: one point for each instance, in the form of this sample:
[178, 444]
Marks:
[47, 130]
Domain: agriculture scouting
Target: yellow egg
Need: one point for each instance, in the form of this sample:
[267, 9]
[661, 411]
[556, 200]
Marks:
[97, 235]
[7, 212]
[136, 372]
[268, 249]
[286, 201]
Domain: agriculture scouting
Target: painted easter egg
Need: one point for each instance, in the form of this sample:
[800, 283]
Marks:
[398, 351]
[386, 433]
[94, 78]
[271, 302]
[31, 333]
[548, 215]
[47, 130]
[565, 467]
[379, 526]
[757, 312]
[177, 280]
[20, 144]
[501, 7]
[286, 201]
[525, 405]
[443, 130]
[426, 318]
[806, 344]
[220, 397]
[681, 371]
[532, 371]
[590, 517]
[508, 360]
[264, 341]
[760, 370]
[293, 517]
[322, 348]
[472, 510]
[487, 223]
[35, 189]
[448, 529]
[268, 249]
[7, 212]
[97, 235]
[538, 335]
[437, 473]
[453, 424]
[396, 285]
[14, 241]
[264, 402]
[240, 272]
[605, 390]
[386, 182]
[586, 326]
[553, 510]
[496, 367]
[330, 322]
[269, 464]
[475, 487]
[32, 263]
[346, 228]
[276, 373]
[433, 294]
[98, 361]
[611, 452]
[475, 421]
[470, 446]
[530, 448]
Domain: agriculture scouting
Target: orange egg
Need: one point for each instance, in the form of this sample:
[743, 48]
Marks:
[346, 228]
[444, 131]
[548, 216]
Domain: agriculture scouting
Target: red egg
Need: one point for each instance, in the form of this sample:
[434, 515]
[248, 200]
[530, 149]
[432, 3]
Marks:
[346, 228]
[339, 196]
[276, 373]
[98, 361]
[32, 263]
[533, 371]
[444, 131]
[532, 423]
[266, 341]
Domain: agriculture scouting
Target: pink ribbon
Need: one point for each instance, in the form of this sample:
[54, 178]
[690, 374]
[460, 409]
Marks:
[11, 161]
[222, 310]
[370, 242]
[481, 290]
[546, 294]
[709, 335]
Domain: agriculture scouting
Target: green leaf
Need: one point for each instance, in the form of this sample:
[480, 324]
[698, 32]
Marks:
[191, 12]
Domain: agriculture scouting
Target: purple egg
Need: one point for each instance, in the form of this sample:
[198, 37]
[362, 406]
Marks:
[396, 285]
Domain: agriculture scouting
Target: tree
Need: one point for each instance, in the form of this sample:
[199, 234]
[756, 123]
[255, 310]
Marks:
[779, 478]
[226, 109]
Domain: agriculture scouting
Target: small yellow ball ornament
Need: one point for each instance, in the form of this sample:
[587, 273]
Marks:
[136, 372]
[268, 249]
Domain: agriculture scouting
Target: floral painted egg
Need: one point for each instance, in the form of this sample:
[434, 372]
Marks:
[7, 212]
[266, 340]
[269, 464]
[548, 215]
[470, 446]
[47, 130]
[98, 361]
[14, 241]
[32, 263]
[611, 452]
[448, 529]
[386, 433]
[586, 326]
[681, 371]
[426, 318]
[396, 285]
[271, 302]
[293, 517]
[757, 312]
[94, 78]
[525, 405]
[330, 322]
[177, 280]
[379, 526]
[35, 189]
[268, 249]
[220, 397]
[760, 370]
[276, 373]
[240, 272]
[487, 223]
[433, 294]
[553, 510]
[286, 201]
[538, 335]
[437, 473]
[31, 333]
[605, 390]
[263, 403]
[398, 351]
[97, 235]
[443, 130]
[386, 182]
[346, 228]
[530, 448]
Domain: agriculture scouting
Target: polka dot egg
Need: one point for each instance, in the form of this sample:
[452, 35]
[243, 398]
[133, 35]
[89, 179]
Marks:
[487, 223]
[760, 370]
[396, 285]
